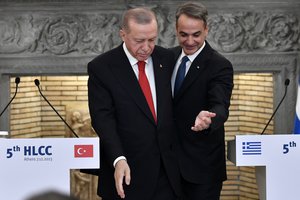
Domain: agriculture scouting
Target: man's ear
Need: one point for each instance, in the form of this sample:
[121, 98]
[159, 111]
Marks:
[206, 31]
[122, 34]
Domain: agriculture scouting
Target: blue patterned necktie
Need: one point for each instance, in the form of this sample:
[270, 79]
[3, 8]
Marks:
[180, 74]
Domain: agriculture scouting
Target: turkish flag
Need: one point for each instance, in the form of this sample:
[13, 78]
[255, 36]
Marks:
[83, 151]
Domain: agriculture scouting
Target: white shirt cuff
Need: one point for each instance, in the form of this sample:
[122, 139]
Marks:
[117, 159]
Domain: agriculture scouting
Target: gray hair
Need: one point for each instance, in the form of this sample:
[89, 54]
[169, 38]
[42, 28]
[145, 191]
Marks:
[140, 15]
[194, 10]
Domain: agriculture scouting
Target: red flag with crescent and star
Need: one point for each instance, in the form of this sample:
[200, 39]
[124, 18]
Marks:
[83, 151]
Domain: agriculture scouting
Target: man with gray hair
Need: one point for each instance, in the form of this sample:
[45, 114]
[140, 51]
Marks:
[130, 103]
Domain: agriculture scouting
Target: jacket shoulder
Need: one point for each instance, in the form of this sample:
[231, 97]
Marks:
[107, 56]
[158, 50]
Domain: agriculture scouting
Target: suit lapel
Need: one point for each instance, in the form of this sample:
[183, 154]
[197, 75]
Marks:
[122, 69]
[159, 79]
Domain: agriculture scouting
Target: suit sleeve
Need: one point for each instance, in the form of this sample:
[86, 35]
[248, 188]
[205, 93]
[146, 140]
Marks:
[102, 112]
[220, 90]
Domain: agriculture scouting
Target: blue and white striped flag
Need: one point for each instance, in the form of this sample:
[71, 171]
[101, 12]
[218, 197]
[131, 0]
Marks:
[297, 116]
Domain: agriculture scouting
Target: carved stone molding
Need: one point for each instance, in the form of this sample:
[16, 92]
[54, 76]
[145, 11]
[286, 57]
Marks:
[256, 62]
[255, 32]
[94, 33]
[59, 34]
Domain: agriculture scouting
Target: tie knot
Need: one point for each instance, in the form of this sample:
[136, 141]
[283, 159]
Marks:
[184, 59]
[141, 65]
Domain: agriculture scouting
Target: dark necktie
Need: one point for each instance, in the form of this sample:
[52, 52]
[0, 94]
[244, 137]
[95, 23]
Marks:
[143, 81]
[180, 74]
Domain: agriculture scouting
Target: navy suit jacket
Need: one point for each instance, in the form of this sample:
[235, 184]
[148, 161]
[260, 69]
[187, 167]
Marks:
[121, 117]
[207, 86]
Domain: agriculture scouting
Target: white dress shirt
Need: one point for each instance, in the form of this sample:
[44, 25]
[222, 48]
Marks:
[188, 64]
[151, 79]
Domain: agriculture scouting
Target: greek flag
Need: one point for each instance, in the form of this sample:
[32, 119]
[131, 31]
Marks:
[251, 148]
[297, 116]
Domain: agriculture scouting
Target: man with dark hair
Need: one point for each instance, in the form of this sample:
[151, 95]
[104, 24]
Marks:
[51, 195]
[202, 83]
[130, 103]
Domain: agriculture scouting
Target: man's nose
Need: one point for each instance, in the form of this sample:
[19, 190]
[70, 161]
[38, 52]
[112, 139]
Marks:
[190, 40]
[146, 46]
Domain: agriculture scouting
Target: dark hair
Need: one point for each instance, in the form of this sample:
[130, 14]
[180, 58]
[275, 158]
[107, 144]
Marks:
[141, 15]
[194, 10]
[51, 195]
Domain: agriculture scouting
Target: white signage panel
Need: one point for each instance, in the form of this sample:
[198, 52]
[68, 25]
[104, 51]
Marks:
[30, 166]
[280, 154]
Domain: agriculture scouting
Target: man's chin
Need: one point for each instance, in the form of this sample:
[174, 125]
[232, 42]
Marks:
[143, 57]
[189, 51]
